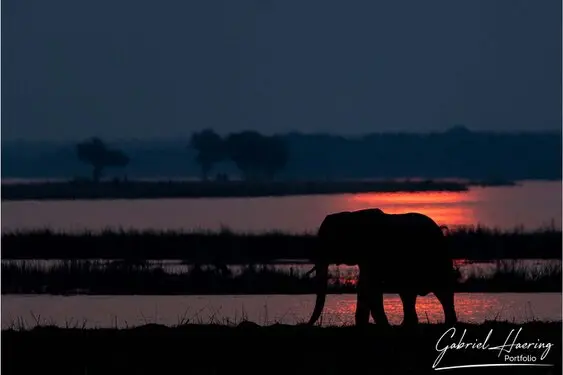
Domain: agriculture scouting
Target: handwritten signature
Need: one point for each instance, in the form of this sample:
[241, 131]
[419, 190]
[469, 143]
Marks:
[510, 343]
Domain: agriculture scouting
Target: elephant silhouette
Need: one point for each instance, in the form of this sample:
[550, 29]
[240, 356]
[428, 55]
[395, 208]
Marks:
[405, 253]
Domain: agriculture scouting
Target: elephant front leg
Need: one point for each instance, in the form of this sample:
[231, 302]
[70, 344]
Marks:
[370, 300]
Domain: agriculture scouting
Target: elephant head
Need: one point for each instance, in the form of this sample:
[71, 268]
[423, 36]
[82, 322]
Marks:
[333, 246]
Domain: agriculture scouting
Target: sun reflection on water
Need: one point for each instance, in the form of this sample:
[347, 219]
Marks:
[428, 308]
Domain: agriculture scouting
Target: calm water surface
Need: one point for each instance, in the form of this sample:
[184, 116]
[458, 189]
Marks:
[532, 204]
[123, 311]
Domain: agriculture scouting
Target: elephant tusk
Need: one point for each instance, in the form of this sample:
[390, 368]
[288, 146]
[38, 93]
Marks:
[445, 229]
[311, 271]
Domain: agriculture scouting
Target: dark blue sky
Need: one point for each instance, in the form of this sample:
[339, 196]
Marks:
[137, 68]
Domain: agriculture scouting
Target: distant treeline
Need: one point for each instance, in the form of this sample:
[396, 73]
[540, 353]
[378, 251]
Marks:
[456, 153]
[226, 247]
[256, 156]
[134, 189]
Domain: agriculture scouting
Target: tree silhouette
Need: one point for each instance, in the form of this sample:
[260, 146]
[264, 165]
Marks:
[244, 149]
[275, 155]
[255, 155]
[95, 153]
[210, 150]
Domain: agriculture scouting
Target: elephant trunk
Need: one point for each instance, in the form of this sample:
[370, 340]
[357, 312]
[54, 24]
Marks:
[321, 280]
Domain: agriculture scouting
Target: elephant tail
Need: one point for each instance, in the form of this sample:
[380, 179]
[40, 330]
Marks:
[454, 272]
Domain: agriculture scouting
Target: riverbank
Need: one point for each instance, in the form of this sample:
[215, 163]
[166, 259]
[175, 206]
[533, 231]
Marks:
[119, 189]
[227, 247]
[278, 349]
[122, 278]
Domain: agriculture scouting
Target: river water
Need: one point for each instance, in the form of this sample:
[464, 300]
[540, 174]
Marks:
[531, 204]
[125, 311]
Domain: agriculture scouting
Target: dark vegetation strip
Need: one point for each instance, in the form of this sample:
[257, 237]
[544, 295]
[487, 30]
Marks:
[199, 189]
[474, 243]
[274, 349]
[116, 278]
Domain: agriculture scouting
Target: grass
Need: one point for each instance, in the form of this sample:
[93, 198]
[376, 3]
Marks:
[510, 275]
[215, 189]
[273, 349]
[119, 277]
[468, 242]
[99, 277]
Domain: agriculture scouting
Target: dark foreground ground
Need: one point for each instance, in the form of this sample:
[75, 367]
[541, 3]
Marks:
[278, 349]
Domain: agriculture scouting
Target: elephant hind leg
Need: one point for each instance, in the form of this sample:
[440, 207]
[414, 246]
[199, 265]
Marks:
[362, 310]
[409, 308]
[376, 307]
[446, 298]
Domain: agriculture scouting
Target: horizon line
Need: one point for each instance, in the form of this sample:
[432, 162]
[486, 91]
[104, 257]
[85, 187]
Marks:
[177, 137]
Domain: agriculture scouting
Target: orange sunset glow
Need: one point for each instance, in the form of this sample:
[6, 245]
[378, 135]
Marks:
[447, 208]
